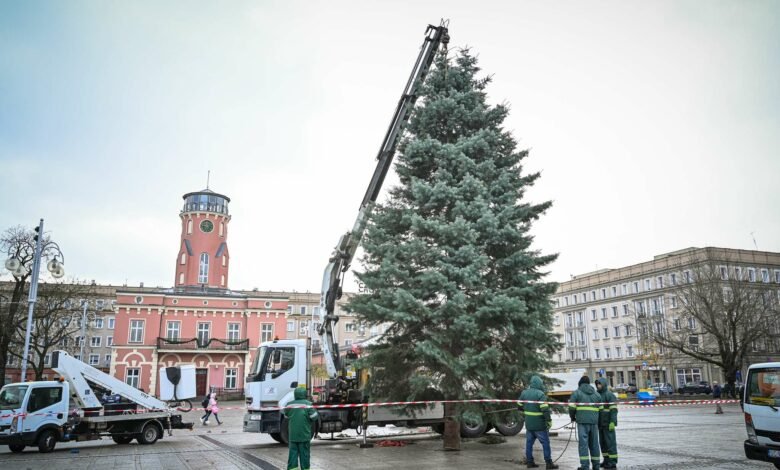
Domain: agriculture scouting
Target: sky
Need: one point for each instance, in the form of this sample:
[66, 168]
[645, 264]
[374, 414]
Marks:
[655, 125]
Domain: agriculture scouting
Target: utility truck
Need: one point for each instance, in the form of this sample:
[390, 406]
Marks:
[761, 406]
[69, 409]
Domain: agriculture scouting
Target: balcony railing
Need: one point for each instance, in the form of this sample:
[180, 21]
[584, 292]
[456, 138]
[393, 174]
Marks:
[197, 344]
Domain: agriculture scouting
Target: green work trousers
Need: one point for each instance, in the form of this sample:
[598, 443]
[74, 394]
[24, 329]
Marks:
[299, 451]
[608, 445]
[588, 445]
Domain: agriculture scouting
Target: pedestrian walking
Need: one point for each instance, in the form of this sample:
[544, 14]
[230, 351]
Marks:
[538, 422]
[607, 424]
[299, 419]
[205, 405]
[212, 409]
[584, 409]
[716, 394]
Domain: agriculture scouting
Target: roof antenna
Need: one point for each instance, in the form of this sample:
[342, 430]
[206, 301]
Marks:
[208, 177]
[754, 240]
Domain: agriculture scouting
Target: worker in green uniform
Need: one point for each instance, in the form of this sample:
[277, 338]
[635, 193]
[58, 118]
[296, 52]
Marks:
[607, 424]
[537, 422]
[584, 408]
[299, 417]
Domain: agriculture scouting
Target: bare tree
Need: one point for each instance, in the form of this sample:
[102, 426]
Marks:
[722, 314]
[56, 324]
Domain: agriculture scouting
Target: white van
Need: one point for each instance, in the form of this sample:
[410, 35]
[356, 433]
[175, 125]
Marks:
[761, 404]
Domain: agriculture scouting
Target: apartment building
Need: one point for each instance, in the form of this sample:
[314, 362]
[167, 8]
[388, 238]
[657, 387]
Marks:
[600, 316]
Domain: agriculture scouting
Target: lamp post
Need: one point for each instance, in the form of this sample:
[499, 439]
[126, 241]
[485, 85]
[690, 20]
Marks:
[55, 266]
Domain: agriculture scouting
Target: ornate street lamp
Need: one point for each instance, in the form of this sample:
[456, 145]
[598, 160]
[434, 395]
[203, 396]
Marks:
[55, 265]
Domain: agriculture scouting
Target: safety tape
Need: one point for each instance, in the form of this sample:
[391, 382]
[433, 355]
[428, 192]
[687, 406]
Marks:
[622, 404]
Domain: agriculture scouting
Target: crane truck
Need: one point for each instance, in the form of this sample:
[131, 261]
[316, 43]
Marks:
[69, 409]
[282, 365]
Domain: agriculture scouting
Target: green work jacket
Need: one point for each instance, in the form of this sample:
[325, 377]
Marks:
[583, 405]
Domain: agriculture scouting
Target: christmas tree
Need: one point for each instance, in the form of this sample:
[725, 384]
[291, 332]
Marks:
[448, 262]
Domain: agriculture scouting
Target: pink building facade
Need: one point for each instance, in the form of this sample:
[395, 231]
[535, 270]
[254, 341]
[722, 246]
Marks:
[198, 321]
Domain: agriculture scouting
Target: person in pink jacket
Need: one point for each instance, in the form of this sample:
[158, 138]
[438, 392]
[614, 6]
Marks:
[212, 409]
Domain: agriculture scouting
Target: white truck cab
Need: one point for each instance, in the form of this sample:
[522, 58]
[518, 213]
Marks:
[33, 413]
[761, 405]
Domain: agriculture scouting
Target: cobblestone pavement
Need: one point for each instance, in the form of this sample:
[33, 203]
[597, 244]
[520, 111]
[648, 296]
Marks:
[673, 438]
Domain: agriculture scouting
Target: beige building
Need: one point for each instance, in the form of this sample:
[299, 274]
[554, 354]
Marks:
[599, 316]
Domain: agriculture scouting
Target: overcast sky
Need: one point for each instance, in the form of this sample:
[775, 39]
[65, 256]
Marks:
[656, 125]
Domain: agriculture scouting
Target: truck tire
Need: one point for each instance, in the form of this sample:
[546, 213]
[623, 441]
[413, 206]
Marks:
[16, 448]
[509, 424]
[438, 428]
[473, 426]
[122, 439]
[149, 434]
[46, 441]
[284, 436]
[277, 436]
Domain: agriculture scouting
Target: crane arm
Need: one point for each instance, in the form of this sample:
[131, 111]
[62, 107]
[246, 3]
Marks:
[340, 260]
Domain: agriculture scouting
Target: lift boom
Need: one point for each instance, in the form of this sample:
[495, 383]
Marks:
[344, 252]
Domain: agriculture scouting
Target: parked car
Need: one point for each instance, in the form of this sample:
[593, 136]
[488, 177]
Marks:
[632, 388]
[696, 387]
[663, 388]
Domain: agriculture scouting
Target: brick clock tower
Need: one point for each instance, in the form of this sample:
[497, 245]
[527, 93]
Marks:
[203, 259]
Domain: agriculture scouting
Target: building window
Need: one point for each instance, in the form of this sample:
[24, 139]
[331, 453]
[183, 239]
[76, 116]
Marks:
[224, 260]
[99, 322]
[603, 313]
[673, 279]
[724, 273]
[571, 355]
[183, 258]
[234, 331]
[95, 341]
[94, 359]
[595, 333]
[230, 378]
[647, 284]
[290, 309]
[111, 323]
[676, 323]
[108, 359]
[593, 295]
[181, 278]
[636, 287]
[738, 273]
[47, 359]
[585, 297]
[203, 271]
[625, 310]
[691, 323]
[751, 275]
[291, 325]
[136, 331]
[628, 330]
[607, 353]
[687, 276]
[618, 354]
[204, 332]
[189, 228]
[109, 340]
[583, 355]
[624, 289]
[597, 353]
[777, 276]
[614, 312]
[347, 342]
[582, 336]
[603, 293]
[173, 330]
[133, 376]
[222, 280]
[673, 301]
[349, 327]
[606, 333]
[686, 376]
[629, 350]
[222, 229]
[765, 275]
[266, 332]
[616, 330]
[593, 314]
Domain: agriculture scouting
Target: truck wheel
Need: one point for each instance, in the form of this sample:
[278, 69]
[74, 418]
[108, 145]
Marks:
[438, 428]
[284, 433]
[510, 424]
[149, 434]
[46, 441]
[472, 426]
[122, 439]
[16, 448]
[277, 436]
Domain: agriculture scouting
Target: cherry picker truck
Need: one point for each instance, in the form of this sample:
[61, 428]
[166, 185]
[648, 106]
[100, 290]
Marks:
[68, 409]
[282, 365]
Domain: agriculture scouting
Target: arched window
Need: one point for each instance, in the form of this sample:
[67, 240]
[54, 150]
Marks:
[181, 278]
[189, 227]
[203, 272]
[183, 258]
[221, 228]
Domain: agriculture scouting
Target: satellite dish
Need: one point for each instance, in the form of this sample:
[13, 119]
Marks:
[12, 264]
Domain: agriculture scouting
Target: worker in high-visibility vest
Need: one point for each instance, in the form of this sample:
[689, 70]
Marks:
[538, 421]
[607, 424]
[584, 408]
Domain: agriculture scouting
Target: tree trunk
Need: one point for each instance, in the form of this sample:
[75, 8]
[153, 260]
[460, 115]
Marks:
[731, 379]
[451, 427]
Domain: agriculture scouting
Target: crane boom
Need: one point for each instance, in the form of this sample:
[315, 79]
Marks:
[345, 250]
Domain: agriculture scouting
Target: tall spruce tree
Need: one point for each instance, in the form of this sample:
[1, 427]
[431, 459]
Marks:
[448, 259]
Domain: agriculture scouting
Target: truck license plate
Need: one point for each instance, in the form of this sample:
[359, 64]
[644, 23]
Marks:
[260, 418]
[774, 453]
